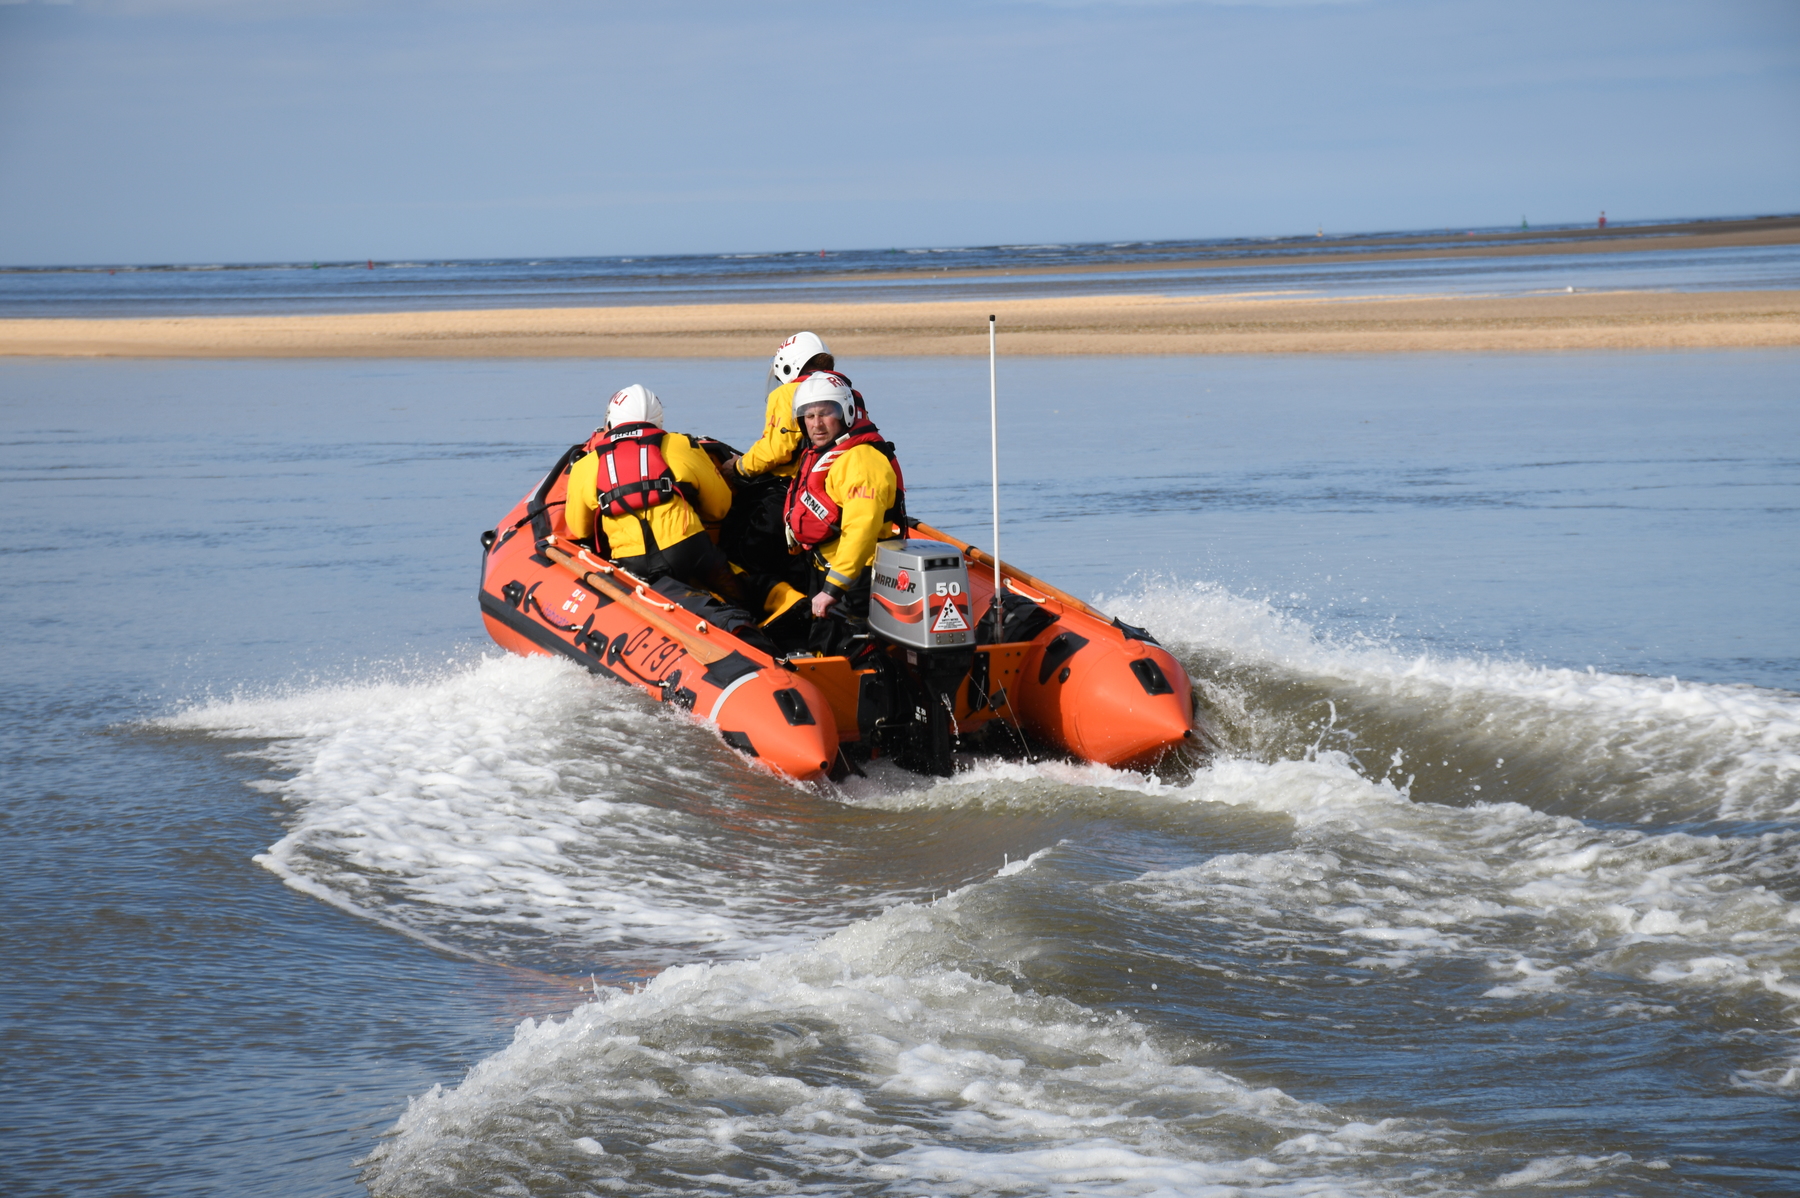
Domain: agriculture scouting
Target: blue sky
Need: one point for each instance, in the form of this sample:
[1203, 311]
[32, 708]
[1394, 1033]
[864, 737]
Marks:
[219, 130]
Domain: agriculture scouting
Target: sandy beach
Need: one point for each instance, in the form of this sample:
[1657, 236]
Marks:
[1147, 323]
[1136, 324]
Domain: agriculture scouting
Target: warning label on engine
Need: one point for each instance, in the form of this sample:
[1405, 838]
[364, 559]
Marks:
[950, 620]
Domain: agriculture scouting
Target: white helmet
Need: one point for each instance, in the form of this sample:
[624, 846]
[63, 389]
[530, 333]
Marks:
[826, 386]
[792, 356]
[636, 404]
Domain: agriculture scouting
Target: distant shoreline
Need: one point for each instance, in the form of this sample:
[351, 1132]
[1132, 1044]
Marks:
[1098, 325]
[1685, 235]
[1707, 233]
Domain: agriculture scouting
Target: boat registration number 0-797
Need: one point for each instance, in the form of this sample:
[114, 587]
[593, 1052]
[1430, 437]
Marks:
[652, 657]
[655, 659]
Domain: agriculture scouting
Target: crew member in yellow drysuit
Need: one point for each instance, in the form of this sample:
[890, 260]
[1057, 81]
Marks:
[778, 449]
[655, 492]
[753, 536]
[847, 494]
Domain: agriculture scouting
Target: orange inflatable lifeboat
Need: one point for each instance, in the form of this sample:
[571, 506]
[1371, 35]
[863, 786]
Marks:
[940, 672]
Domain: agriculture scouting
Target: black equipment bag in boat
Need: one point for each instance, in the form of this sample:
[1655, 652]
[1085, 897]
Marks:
[1024, 620]
[754, 532]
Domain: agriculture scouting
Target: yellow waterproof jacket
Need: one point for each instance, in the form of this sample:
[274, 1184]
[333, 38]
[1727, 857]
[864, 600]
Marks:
[777, 451]
[863, 485]
[670, 523]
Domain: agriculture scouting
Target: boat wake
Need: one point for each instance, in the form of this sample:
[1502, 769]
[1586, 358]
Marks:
[1594, 744]
[513, 804]
[1039, 975]
[881, 1057]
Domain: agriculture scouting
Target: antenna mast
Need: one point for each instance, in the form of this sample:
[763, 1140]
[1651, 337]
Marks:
[998, 608]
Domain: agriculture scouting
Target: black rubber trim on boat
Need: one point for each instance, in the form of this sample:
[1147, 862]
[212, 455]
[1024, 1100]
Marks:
[739, 741]
[1022, 621]
[875, 696]
[674, 692]
[1151, 677]
[531, 600]
[729, 669]
[793, 706]
[536, 510]
[1134, 633]
[540, 636]
[978, 679]
[1065, 646]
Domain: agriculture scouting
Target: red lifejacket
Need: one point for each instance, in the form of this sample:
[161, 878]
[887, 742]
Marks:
[812, 515]
[632, 476]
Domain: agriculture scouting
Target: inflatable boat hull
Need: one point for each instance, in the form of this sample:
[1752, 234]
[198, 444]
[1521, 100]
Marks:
[1079, 683]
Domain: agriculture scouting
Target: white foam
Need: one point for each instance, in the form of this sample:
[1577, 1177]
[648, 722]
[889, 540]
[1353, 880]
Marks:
[1395, 882]
[992, 781]
[1549, 903]
[513, 802]
[882, 1056]
[1739, 746]
[1010, 868]
[517, 807]
[1559, 1171]
[871, 1058]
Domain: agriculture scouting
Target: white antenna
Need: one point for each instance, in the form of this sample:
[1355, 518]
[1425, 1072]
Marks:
[998, 607]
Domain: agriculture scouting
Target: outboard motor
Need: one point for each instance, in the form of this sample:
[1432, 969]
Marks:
[920, 601]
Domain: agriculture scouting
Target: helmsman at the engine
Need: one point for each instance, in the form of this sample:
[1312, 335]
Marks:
[655, 492]
[847, 493]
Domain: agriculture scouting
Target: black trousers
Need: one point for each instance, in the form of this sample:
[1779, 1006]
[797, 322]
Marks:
[755, 537]
[832, 633]
[695, 561]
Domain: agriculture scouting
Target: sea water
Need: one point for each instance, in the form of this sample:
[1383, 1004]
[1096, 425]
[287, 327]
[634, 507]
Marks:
[1336, 267]
[1491, 887]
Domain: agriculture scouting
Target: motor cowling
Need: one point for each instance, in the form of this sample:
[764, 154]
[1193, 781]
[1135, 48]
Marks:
[919, 600]
[920, 595]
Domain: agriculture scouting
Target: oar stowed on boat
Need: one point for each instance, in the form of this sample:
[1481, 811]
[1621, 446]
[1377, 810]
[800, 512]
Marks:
[592, 572]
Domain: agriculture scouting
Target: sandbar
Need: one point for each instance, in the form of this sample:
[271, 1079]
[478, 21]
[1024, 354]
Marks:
[1114, 324]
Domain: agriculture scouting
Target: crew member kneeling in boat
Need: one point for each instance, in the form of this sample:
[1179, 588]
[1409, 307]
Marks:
[847, 493]
[655, 493]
